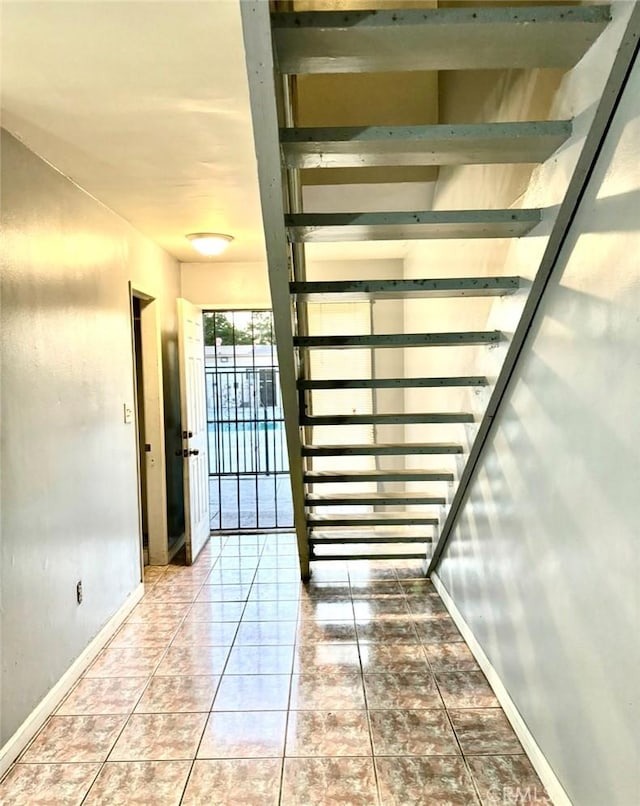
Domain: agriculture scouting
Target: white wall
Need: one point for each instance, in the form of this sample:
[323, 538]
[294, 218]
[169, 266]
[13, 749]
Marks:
[69, 479]
[496, 96]
[544, 561]
[219, 285]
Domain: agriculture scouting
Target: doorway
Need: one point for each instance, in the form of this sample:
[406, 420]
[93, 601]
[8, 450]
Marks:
[139, 396]
[149, 418]
[248, 462]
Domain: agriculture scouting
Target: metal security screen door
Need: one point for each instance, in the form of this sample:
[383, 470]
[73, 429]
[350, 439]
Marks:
[248, 464]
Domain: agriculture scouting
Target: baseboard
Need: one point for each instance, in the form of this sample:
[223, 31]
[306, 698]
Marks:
[36, 719]
[531, 748]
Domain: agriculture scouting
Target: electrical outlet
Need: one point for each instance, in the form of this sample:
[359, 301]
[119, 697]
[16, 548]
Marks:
[79, 592]
[128, 414]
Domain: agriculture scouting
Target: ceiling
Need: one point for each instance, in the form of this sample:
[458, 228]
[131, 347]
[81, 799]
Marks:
[146, 106]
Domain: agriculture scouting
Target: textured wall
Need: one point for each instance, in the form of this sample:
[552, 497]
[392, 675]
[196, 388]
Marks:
[69, 481]
[544, 561]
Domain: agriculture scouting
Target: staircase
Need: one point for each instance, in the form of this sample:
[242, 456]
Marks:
[373, 497]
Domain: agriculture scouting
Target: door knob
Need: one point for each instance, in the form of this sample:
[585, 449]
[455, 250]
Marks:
[194, 452]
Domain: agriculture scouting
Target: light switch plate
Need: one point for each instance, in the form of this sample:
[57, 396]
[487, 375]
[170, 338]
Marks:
[128, 414]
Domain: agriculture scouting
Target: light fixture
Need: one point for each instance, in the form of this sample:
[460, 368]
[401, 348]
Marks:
[209, 243]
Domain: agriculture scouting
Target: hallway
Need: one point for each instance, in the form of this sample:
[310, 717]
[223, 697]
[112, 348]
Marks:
[232, 684]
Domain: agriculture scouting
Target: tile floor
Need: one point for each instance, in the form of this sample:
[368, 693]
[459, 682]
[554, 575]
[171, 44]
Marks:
[231, 684]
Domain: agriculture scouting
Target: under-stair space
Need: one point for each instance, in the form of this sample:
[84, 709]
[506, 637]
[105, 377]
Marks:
[404, 155]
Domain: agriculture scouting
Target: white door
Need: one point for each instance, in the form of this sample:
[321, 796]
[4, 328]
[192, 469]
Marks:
[193, 410]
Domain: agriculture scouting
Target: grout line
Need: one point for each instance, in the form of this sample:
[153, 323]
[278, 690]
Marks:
[368, 716]
[286, 725]
[195, 756]
[299, 617]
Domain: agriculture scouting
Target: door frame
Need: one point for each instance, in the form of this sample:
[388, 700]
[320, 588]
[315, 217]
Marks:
[153, 406]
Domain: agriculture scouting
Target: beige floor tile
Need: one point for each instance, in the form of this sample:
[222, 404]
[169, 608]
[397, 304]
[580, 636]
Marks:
[326, 591]
[172, 593]
[438, 630]
[231, 576]
[320, 658]
[507, 779]
[205, 633]
[385, 632]
[407, 781]
[413, 733]
[326, 609]
[159, 612]
[450, 657]
[321, 631]
[125, 662]
[242, 782]
[263, 633]
[74, 738]
[224, 593]
[260, 660]
[330, 571]
[328, 733]
[370, 571]
[112, 695]
[281, 575]
[410, 658]
[173, 702]
[159, 737]
[465, 690]
[178, 694]
[189, 660]
[190, 574]
[327, 691]
[387, 607]
[140, 634]
[361, 588]
[484, 731]
[273, 592]
[244, 734]
[401, 690]
[47, 784]
[328, 781]
[216, 611]
[409, 569]
[259, 692]
[152, 573]
[139, 783]
[281, 562]
[271, 611]
[237, 561]
[179, 585]
[422, 606]
[418, 587]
